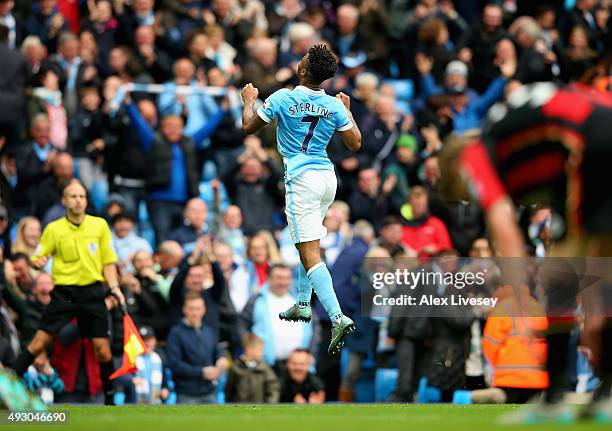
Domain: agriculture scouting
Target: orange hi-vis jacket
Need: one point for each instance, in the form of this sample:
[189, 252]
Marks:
[513, 341]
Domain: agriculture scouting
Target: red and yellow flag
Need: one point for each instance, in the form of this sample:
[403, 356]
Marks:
[132, 347]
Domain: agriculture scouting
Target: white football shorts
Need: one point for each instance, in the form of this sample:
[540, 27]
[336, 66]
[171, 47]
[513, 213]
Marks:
[307, 199]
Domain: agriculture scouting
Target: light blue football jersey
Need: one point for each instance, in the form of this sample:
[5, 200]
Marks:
[307, 120]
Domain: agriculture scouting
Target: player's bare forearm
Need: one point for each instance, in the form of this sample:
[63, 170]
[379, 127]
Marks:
[506, 234]
[353, 140]
[251, 123]
[351, 137]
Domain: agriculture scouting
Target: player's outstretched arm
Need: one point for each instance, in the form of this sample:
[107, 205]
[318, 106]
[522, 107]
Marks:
[352, 136]
[251, 123]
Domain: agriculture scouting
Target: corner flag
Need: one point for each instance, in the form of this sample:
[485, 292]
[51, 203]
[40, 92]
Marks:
[132, 347]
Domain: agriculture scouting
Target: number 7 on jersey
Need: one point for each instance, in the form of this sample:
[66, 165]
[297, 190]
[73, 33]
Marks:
[313, 125]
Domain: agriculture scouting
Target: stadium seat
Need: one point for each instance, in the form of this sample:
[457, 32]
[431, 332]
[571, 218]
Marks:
[428, 394]
[144, 225]
[385, 382]
[221, 388]
[99, 195]
[462, 397]
[404, 92]
[365, 391]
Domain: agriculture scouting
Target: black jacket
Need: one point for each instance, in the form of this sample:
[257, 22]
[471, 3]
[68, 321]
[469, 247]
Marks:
[30, 174]
[213, 297]
[260, 200]
[14, 74]
[159, 161]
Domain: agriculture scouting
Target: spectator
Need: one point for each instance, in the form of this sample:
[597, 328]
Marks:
[23, 277]
[262, 69]
[477, 46]
[298, 384]
[517, 360]
[578, 57]
[125, 240]
[149, 381]
[8, 179]
[339, 231]
[395, 177]
[28, 236]
[197, 274]
[450, 334]
[236, 276]
[219, 50]
[469, 109]
[422, 232]
[231, 233]
[197, 45]
[250, 379]
[87, 138]
[70, 69]
[381, 129]
[200, 106]
[42, 379]
[47, 99]
[167, 259]
[34, 166]
[14, 77]
[126, 160]
[89, 53]
[262, 254]
[391, 236]
[47, 23]
[348, 39]
[154, 304]
[74, 360]
[194, 225]
[300, 37]
[583, 15]
[369, 202]
[365, 338]
[47, 200]
[434, 36]
[8, 20]
[173, 175]
[535, 61]
[256, 188]
[273, 299]
[104, 27]
[36, 301]
[151, 57]
[193, 355]
[35, 53]
[282, 16]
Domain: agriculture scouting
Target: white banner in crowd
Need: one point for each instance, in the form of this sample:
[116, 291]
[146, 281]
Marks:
[235, 104]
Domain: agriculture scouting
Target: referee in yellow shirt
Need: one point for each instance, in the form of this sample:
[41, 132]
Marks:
[83, 260]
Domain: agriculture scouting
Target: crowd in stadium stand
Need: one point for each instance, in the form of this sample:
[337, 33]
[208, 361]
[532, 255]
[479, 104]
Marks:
[206, 259]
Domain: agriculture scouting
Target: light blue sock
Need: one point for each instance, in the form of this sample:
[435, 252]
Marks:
[304, 288]
[322, 284]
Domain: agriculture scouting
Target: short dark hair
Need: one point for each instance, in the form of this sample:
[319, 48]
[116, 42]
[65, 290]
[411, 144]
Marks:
[389, 220]
[278, 266]
[191, 296]
[122, 216]
[322, 63]
[19, 256]
[300, 350]
[4, 34]
[250, 339]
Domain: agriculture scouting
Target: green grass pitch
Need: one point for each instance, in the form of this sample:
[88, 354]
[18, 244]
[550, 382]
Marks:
[333, 417]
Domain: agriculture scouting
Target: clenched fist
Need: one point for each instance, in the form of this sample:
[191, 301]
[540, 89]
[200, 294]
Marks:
[249, 93]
